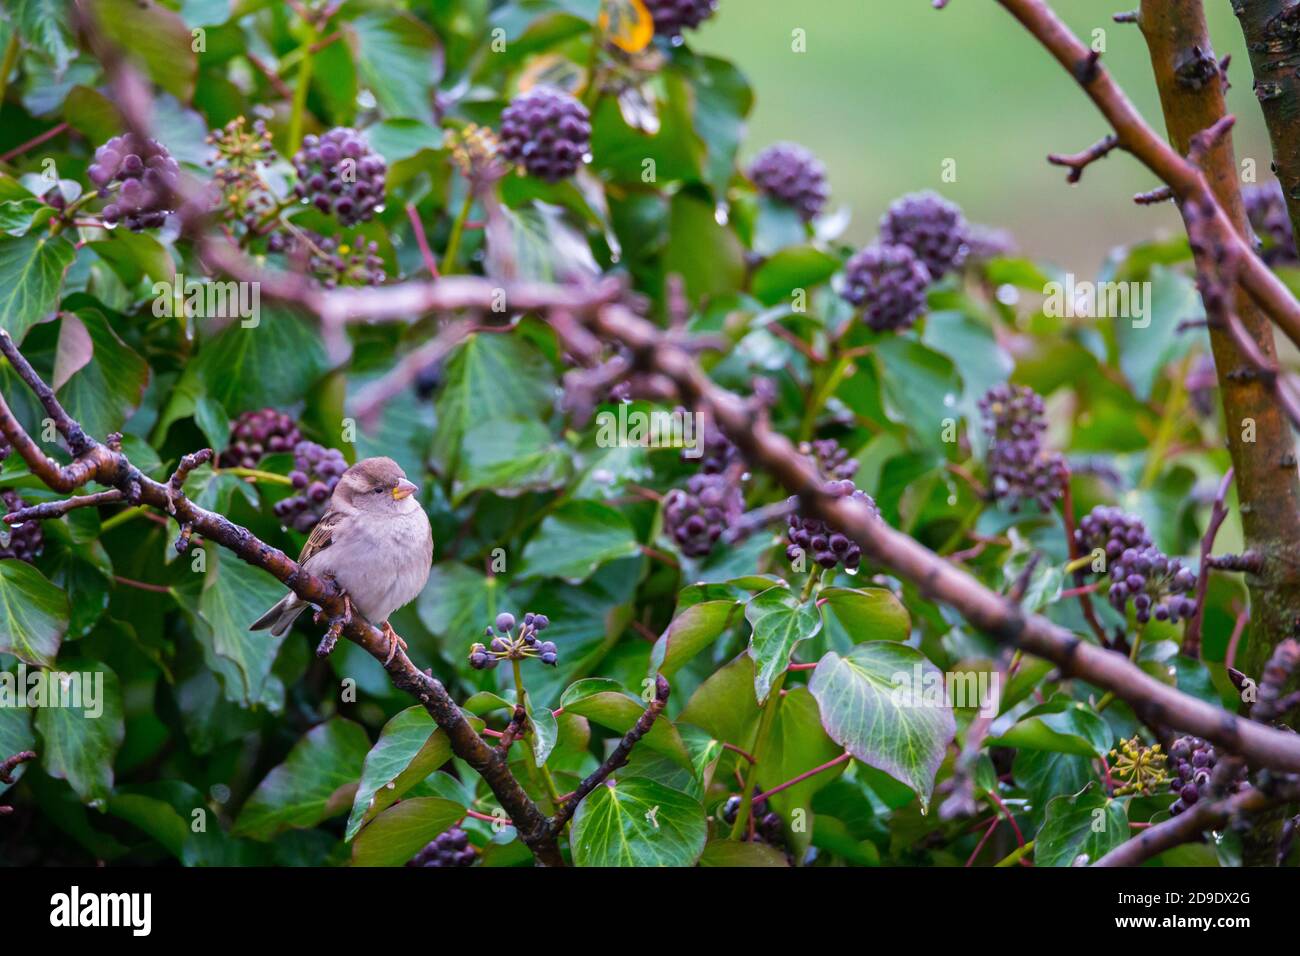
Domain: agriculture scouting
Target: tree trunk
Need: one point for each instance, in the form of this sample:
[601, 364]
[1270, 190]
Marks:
[1272, 30]
[1260, 439]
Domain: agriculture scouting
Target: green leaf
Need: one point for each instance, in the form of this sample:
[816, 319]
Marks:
[723, 99]
[509, 457]
[606, 703]
[780, 621]
[730, 853]
[80, 743]
[724, 705]
[690, 632]
[104, 390]
[877, 703]
[576, 539]
[1087, 823]
[402, 831]
[155, 37]
[44, 24]
[16, 215]
[399, 59]
[235, 595]
[410, 747]
[1151, 343]
[31, 274]
[707, 256]
[488, 378]
[16, 735]
[271, 364]
[457, 600]
[1060, 725]
[797, 744]
[33, 614]
[920, 387]
[800, 267]
[638, 822]
[1046, 773]
[868, 614]
[314, 783]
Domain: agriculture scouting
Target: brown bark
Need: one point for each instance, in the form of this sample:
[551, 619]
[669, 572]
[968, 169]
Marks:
[1191, 95]
[1272, 31]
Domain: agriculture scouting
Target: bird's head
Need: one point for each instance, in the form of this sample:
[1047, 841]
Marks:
[377, 486]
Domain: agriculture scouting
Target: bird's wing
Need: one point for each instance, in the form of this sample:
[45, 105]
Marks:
[322, 536]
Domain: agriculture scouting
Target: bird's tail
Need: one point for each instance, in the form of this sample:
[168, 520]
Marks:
[281, 617]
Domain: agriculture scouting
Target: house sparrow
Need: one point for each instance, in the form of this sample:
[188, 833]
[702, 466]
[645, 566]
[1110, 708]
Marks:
[374, 541]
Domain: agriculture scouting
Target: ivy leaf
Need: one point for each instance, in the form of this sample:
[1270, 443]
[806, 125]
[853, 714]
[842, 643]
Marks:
[873, 704]
[917, 383]
[410, 747]
[509, 457]
[797, 744]
[729, 853]
[400, 60]
[488, 378]
[690, 632]
[271, 364]
[44, 24]
[723, 98]
[234, 595]
[101, 379]
[154, 36]
[724, 705]
[31, 274]
[16, 215]
[638, 822]
[315, 782]
[605, 702]
[546, 731]
[868, 614]
[1087, 823]
[1060, 725]
[80, 743]
[33, 614]
[1047, 773]
[457, 600]
[576, 539]
[402, 831]
[780, 621]
[16, 735]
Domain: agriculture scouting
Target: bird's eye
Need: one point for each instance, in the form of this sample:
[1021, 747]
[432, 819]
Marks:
[379, 490]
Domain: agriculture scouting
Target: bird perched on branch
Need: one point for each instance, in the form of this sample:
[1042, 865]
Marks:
[374, 541]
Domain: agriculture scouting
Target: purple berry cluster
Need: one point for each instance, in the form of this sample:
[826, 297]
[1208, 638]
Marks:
[332, 261]
[1154, 582]
[673, 16]
[827, 546]
[340, 174]
[316, 470]
[1266, 209]
[792, 175]
[1019, 467]
[546, 131]
[142, 178]
[717, 454]
[1192, 761]
[27, 540]
[1113, 531]
[696, 516]
[449, 848]
[931, 227]
[887, 283]
[254, 434]
[505, 645]
[832, 460]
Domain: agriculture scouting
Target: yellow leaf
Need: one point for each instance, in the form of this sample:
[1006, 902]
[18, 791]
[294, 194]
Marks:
[627, 23]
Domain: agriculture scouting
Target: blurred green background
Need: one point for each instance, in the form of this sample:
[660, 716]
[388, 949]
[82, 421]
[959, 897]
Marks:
[889, 89]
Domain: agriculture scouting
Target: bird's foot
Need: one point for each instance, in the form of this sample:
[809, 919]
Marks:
[394, 642]
[336, 625]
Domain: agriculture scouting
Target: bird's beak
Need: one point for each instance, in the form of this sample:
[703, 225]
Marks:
[404, 489]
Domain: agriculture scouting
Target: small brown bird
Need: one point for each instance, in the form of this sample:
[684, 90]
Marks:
[374, 541]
